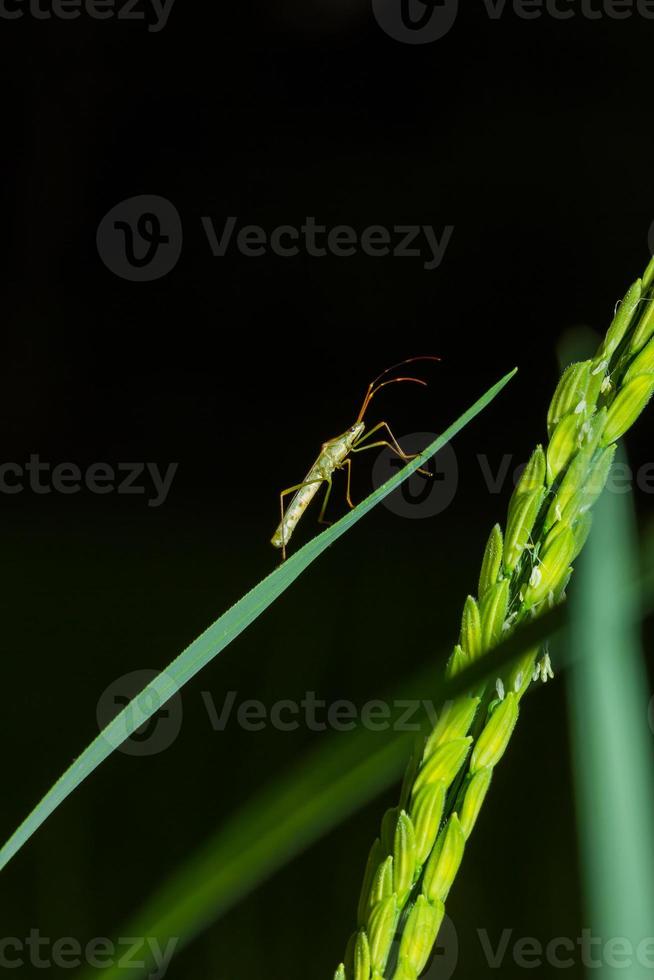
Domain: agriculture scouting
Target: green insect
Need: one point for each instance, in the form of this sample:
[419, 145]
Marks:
[335, 455]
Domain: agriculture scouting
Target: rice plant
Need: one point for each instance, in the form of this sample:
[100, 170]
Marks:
[525, 571]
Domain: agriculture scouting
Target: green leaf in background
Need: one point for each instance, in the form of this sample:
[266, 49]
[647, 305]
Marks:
[207, 646]
[612, 746]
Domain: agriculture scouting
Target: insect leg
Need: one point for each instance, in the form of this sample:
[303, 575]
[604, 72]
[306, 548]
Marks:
[348, 463]
[321, 517]
[384, 442]
[394, 445]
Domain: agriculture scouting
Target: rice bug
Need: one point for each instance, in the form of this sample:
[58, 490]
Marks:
[335, 455]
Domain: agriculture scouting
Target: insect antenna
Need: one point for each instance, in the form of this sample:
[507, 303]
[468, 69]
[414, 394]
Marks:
[378, 384]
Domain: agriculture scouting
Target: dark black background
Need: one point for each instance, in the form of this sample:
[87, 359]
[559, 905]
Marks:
[533, 139]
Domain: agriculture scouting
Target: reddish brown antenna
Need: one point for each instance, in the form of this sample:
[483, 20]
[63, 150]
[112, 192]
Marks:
[375, 386]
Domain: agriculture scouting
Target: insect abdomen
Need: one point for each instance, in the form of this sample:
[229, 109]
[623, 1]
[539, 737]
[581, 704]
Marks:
[301, 500]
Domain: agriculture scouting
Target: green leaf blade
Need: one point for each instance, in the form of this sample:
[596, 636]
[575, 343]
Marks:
[214, 640]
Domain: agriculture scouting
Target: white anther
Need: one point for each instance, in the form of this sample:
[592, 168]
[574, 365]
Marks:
[543, 669]
[508, 622]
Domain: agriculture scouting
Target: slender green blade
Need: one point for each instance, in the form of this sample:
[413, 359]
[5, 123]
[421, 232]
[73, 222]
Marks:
[217, 637]
[612, 746]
